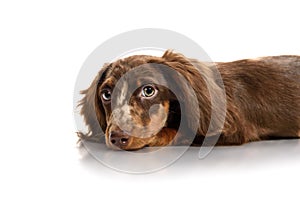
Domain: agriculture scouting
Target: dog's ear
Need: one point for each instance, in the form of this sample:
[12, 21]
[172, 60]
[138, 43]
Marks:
[197, 75]
[92, 109]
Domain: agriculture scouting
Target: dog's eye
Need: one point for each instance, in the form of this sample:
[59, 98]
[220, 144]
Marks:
[106, 95]
[148, 91]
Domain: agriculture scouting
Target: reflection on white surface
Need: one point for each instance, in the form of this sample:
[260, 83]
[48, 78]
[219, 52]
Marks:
[145, 160]
[252, 155]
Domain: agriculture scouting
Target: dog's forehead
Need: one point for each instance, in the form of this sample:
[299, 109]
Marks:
[130, 62]
[132, 70]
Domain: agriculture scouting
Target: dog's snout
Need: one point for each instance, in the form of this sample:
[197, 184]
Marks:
[119, 138]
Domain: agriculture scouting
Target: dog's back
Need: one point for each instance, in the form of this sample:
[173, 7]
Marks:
[265, 93]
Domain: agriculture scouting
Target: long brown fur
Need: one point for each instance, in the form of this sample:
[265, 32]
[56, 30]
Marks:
[262, 95]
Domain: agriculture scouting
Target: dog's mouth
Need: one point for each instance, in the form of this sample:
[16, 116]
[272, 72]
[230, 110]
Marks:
[120, 140]
[123, 141]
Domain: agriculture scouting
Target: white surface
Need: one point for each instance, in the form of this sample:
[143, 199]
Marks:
[42, 47]
[262, 155]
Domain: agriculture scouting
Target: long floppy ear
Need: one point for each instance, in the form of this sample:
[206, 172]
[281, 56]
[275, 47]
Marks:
[197, 76]
[92, 109]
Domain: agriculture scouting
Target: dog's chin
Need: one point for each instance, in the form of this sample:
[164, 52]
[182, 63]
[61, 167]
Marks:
[132, 146]
[126, 148]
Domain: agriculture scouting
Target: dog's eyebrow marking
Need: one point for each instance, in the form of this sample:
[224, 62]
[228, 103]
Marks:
[108, 83]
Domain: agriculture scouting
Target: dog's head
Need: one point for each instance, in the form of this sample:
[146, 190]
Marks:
[131, 102]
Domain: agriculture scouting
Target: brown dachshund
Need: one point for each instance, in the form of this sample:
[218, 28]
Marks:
[262, 101]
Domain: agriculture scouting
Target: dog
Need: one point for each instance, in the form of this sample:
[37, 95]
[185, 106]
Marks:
[262, 101]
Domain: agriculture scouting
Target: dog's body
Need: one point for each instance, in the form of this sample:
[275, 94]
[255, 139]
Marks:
[262, 101]
[265, 96]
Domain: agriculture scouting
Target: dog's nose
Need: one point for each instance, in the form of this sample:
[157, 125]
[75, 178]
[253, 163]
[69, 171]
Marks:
[119, 138]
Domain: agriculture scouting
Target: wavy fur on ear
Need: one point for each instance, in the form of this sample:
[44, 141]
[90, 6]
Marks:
[93, 111]
[200, 76]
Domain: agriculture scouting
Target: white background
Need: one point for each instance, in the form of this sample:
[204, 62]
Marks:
[42, 47]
